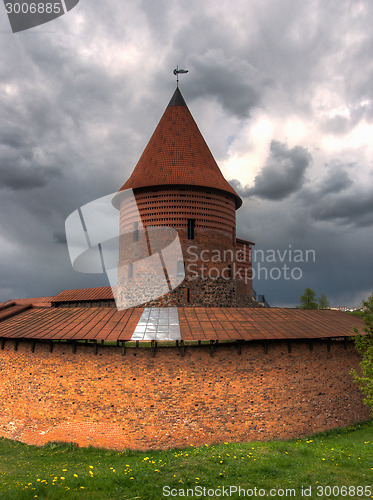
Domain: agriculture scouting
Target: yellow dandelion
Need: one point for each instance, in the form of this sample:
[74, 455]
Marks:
[76, 475]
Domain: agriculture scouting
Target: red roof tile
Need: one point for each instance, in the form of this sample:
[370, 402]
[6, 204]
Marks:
[35, 301]
[85, 294]
[11, 310]
[177, 154]
[5, 305]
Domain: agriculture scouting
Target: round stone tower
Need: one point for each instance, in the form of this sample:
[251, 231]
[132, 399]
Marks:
[178, 184]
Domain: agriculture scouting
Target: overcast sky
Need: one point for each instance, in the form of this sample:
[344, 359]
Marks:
[281, 90]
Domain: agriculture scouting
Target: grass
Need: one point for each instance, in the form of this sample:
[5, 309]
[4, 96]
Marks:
[342, 457]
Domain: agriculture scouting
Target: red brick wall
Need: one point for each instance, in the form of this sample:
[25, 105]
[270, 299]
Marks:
[172, 206]
[139, 401]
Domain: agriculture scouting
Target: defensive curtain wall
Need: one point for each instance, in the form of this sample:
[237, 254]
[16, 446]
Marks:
[139, 398]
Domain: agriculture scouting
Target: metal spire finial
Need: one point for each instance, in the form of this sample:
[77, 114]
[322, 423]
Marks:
[177, 71]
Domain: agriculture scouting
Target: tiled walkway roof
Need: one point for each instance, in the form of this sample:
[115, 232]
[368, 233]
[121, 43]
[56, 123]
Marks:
[75, 323]
[85, 294]
[35, 301]
[177, 154]
[215, 323]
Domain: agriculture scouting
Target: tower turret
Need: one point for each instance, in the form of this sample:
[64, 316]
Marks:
[177, 183]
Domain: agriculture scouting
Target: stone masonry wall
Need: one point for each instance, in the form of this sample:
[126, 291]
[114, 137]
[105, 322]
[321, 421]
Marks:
[216, 274]
[138, 401]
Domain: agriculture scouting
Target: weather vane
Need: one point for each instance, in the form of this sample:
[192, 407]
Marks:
[178, 71]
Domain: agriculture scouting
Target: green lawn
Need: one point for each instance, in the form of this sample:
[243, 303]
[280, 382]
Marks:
[343, 457]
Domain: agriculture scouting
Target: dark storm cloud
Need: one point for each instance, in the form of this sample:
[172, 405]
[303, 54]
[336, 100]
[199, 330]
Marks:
[355, 208]
[282, 174]
[20, 172]
[217, 77]
[60, 238]
[84, 100]
[336, 180]
[19, 178]
[336, 198]
[339, 254]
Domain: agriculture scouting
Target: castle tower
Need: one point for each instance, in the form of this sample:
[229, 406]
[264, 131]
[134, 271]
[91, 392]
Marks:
[177, 183]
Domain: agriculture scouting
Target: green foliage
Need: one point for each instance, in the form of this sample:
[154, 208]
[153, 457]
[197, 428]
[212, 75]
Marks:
[357, 314]
[308, 299]
[364, 346]
[323, 302]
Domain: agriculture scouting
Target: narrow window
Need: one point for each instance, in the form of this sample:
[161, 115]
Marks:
[135, 231]
[191, 225]
[188, 294]
[180, 268]
[130, 271]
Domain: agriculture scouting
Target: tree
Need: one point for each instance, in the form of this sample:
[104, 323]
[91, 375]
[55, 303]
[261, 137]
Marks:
[364, 346]
[323, 302]
[308, 299]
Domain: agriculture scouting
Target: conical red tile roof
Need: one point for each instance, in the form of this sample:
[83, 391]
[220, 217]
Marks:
[177, 154]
